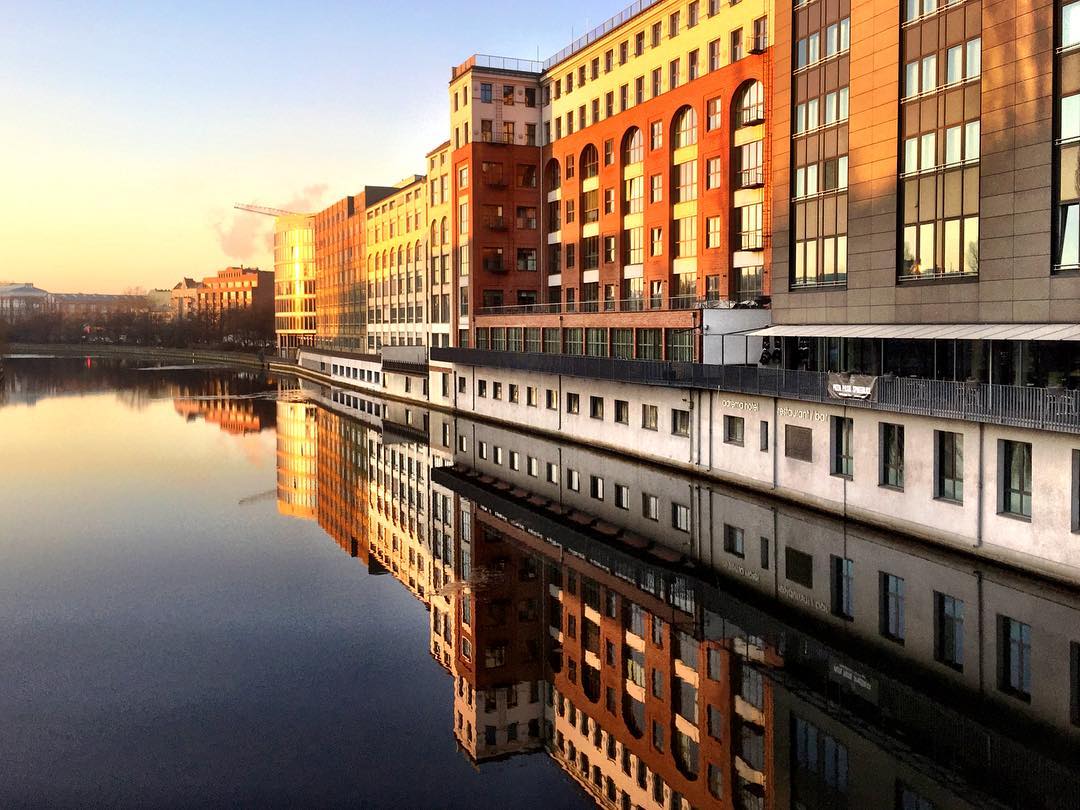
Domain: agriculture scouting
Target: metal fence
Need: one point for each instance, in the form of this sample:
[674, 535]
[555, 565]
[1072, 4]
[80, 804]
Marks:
[1041, 408]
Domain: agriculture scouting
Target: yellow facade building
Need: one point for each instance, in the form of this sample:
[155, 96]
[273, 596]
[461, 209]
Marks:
[294, 282]
[396, 249]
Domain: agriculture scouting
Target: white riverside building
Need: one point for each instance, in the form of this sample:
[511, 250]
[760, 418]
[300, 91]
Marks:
[987, 468]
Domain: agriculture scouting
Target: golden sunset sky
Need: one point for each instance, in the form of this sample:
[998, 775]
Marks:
[129, 130]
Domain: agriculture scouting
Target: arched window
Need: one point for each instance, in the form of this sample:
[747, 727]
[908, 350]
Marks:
[445, 228]
[552, 175]
[401, 256]
[408, 254]
[434, 233]
[386, 260]
[685, 127]
[590, 162]
[750, 104]
[419, 252]
[633, 147]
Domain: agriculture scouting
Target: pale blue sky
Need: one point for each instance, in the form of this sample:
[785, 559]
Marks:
[130, 129]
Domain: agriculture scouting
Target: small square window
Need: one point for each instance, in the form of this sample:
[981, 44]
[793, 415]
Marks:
[680, 422]
[733, 430]
[649, 417]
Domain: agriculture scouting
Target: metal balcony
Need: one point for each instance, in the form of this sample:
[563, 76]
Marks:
[1052, 409]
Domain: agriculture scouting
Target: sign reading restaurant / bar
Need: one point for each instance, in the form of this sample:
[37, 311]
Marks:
[850, 386]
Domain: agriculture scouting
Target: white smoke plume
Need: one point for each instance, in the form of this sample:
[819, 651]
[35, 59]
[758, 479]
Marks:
[245, 236]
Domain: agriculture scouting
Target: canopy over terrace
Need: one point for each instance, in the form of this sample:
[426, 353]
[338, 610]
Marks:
[1039, 354]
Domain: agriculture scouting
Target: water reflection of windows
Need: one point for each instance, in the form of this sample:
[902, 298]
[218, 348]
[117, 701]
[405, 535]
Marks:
[1014, 657]
[686, 649]
[892, 607]
[820, 765]
[751, 685]
[842, 587]
[949, 630]
[634, 620]
[752, 745]
[908, 799]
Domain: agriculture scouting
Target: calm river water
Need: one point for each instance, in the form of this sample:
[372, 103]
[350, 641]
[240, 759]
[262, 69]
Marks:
[221, 588]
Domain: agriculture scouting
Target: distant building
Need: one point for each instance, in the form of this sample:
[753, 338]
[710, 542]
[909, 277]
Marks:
[237, 288]
[82, 305]
[184, 298]
[159, 303]
[20, 300]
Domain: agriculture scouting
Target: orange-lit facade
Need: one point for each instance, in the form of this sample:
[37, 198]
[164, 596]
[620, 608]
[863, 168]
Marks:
[341, 481]
[441, 278]
[612, 192]
[341, 306]
[496, 157]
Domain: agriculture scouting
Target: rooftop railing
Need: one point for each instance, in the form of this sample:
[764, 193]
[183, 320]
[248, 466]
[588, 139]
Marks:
[1054, 409]
[483, 60]
[607, 25]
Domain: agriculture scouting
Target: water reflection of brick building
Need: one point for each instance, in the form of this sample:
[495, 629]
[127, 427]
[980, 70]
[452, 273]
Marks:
[236, 417]
[499, 654]
[644, 708]
[341, 476]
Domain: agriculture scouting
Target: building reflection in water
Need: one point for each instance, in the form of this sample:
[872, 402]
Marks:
[219, 401]
[672, 643]
[297, 452]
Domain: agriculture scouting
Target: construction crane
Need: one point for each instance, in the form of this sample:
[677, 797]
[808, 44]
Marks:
[269, 212]
[260, 496]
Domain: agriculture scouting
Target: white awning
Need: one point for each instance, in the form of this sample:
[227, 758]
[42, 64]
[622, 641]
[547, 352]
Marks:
[928, 331]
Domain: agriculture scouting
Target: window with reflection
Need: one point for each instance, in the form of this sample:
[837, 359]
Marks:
[685, 127]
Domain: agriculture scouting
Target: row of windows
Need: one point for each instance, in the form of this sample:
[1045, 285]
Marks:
[1014, 495]
[1013, 640]
[962, 62]
[837, 39]
[591, 70]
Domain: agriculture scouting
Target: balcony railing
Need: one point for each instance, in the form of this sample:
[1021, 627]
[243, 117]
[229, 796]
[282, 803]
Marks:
[750, 178]
[678, 302]
[494, 266]
[1053, 409]
[750, 240]
[496, 223]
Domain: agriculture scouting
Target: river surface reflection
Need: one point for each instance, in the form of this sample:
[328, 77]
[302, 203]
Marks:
[525, 623]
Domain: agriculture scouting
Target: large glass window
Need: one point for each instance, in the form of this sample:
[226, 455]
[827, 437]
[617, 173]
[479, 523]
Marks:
[1014, 465]
[892, 455]
[842, 456]
[949, 466]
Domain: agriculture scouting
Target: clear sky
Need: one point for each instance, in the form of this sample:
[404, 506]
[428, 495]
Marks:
[129, 129]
